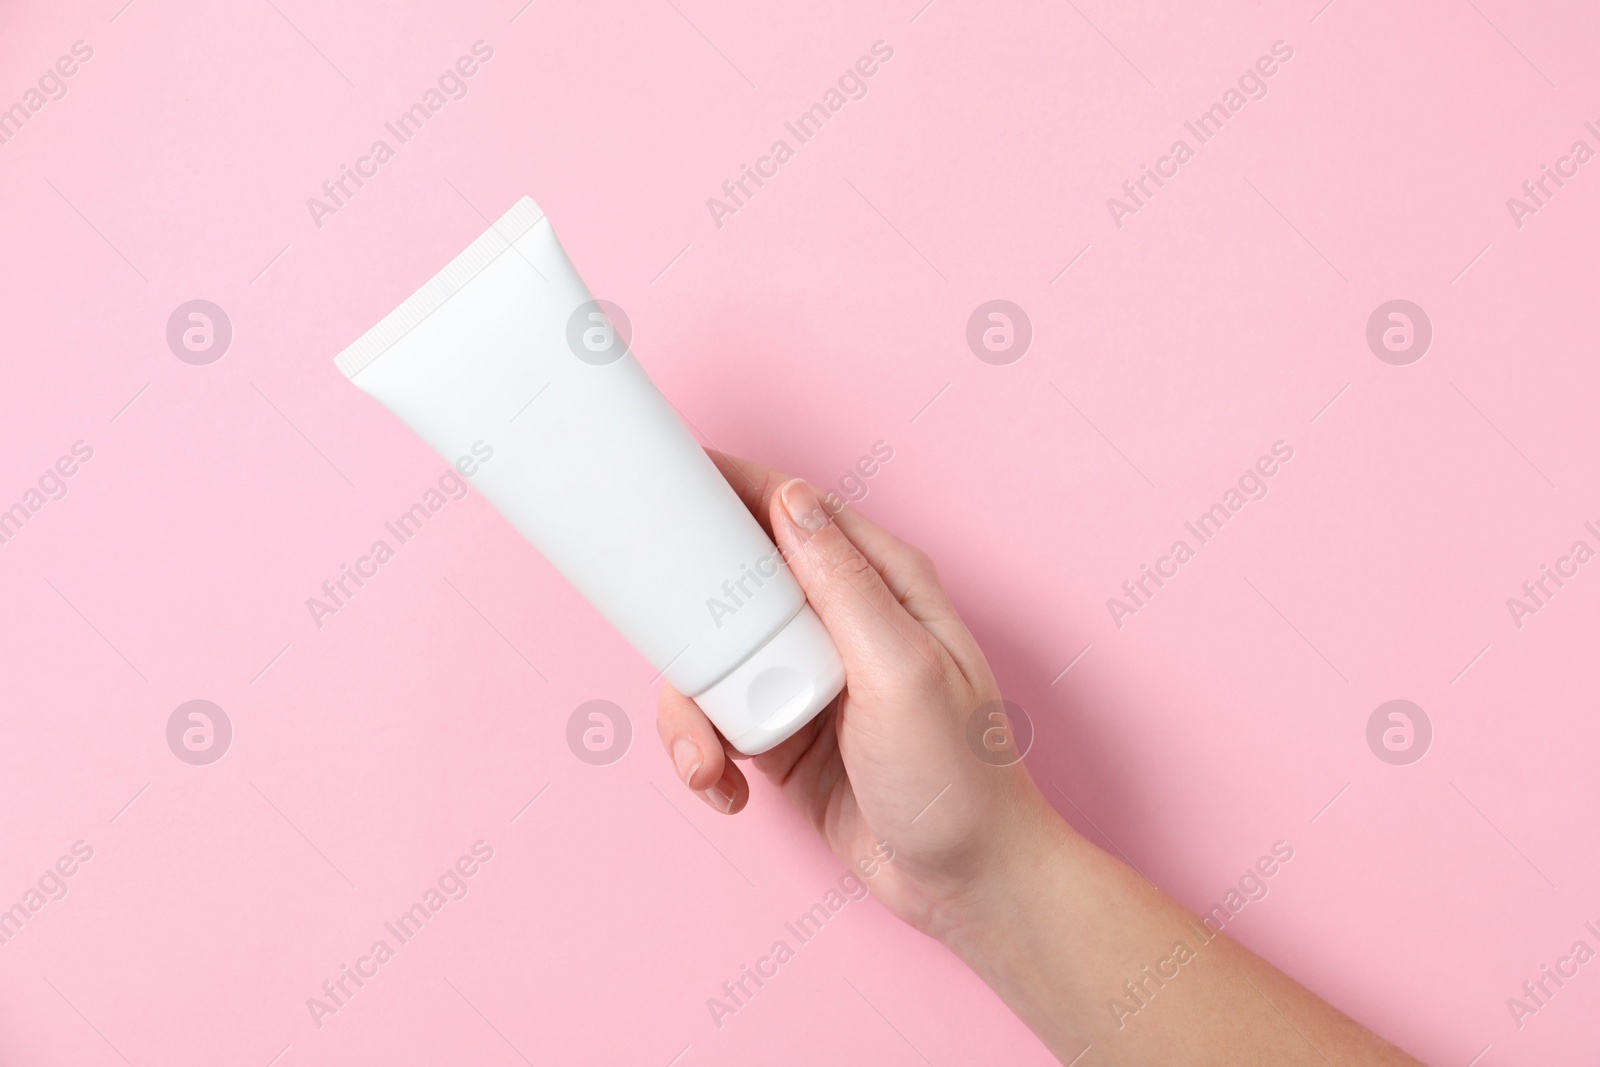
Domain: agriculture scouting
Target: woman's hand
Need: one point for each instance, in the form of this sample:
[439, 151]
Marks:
[886, 770]
[1102, 965]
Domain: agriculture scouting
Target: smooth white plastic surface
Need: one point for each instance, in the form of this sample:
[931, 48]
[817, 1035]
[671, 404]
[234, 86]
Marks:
[594, 467]
[771, 692]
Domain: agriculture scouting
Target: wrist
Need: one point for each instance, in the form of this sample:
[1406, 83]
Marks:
[1029, 928]
[1020, 870]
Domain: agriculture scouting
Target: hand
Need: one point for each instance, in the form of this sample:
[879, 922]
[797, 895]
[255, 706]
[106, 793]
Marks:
[1062, 931]
[884, 771]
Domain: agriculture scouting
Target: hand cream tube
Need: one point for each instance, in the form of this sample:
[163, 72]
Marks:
[593, 465]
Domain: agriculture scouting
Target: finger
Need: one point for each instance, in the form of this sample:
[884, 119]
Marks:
[910, 576]
[872, 629]
[905, 569]
[809, 773]
[698, 753]
[779, 763]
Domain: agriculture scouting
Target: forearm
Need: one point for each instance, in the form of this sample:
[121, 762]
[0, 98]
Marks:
[1091, 955]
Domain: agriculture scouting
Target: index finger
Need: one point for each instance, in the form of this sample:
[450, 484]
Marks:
[907, 572]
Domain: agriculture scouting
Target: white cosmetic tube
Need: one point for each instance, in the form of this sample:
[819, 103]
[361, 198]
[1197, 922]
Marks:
[592, 465]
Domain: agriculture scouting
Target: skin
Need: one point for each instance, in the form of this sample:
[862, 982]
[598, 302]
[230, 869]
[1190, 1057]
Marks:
[976, 857]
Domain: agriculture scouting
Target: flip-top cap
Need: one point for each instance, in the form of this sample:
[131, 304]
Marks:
[779, 688]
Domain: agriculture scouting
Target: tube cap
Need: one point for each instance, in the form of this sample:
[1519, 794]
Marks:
[779, 688]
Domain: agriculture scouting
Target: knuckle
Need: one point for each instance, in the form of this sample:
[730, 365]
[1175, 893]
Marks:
[925, 678]
[920, 678]
[921, 564]
[842, 563]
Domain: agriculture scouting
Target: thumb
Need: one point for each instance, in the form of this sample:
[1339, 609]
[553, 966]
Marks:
[876, 637]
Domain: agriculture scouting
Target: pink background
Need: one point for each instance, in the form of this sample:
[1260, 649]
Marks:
[1227, 314]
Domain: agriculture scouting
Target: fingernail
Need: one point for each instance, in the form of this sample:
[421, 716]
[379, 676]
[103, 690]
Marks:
[686, 758]
[801, 502]
[719, 796]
